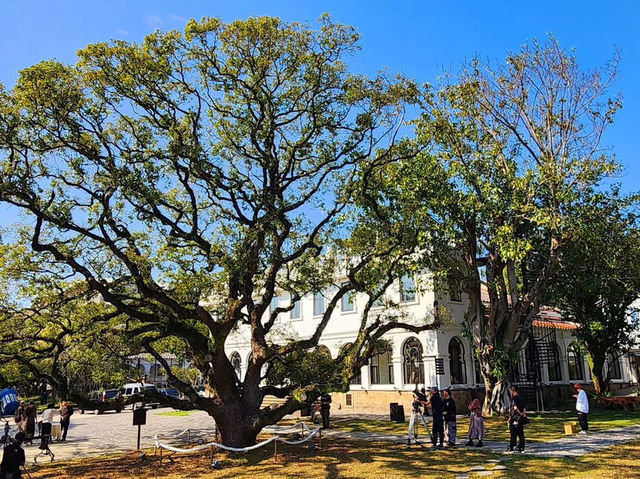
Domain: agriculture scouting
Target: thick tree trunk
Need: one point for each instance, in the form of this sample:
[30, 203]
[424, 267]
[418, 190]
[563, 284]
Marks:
[496, 396]
[489, 383]
[500, 397]
[235, 427]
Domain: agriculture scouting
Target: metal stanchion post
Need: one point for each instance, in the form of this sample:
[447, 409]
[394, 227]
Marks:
[302, 430]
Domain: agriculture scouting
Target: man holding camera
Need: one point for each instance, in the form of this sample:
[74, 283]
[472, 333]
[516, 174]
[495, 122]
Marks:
[517, 420]
[13, 458]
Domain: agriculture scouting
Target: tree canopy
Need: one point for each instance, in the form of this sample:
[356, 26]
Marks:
[514, 147]
[599, 279]
[189, 179]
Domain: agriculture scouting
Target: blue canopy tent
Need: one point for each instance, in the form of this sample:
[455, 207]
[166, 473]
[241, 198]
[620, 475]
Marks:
[9, 402]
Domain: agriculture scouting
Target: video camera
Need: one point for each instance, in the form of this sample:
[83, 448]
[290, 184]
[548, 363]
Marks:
[419, 399]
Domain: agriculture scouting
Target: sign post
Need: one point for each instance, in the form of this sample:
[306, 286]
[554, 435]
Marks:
[139, 419]
[439, 370]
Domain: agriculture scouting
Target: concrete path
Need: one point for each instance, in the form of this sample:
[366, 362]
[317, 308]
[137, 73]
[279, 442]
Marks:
[573, 446]
[111, 432]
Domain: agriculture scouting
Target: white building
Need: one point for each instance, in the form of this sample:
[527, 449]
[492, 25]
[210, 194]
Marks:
[392, 375]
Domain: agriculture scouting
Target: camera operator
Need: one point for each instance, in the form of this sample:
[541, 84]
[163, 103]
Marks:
[437, 431]
[13, 458]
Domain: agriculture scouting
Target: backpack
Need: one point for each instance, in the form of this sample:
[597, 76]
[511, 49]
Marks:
[69, 411]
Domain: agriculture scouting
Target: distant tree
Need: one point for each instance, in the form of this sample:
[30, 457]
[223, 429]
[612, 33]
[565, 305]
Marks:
[65, 339]
[599, 279]
[191, 179]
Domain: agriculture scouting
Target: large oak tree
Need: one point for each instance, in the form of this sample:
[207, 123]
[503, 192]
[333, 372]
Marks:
[189, 179]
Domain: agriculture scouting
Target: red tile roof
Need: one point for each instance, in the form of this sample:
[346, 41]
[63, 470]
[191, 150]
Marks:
[547, 317]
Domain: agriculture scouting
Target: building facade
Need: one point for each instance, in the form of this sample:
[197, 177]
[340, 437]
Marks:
[444, 358]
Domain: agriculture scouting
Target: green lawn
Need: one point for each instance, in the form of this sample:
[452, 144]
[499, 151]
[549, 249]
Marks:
[543, 427]
[176, 413]
[349, 459]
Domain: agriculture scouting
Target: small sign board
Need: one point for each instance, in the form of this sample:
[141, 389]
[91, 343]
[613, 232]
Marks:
[440, 366]
[139, 416]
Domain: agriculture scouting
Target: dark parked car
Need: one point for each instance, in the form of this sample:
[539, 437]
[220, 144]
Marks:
[112, 397]
[171, 392]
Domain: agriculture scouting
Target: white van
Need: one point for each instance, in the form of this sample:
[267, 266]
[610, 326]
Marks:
[130, 389]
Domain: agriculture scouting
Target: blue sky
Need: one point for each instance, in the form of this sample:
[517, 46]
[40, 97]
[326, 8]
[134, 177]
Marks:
[419, 38]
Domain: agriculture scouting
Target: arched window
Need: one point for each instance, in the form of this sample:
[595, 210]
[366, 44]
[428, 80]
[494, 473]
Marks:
[236, 362]
[381, 368]
[357, 379]
[457, 366]
[322, 349]
[576, 364]
[554, 367]
[413, 363]
[613, 364]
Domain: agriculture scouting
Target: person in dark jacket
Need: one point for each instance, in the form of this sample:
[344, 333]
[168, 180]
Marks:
[325, 406]
[13, 458]
[449, 414]
[437, 430]
[517, 420]
[31, 415]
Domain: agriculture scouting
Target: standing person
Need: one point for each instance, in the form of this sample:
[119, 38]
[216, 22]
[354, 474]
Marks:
[43, 393]
[325, 407]
[31, 415]
[66, 410]
[449, 413]
[46, 420]
[21, 418]
[476, 424]
[517, 420]
[437, 429]
[582, 406]
[13, 458]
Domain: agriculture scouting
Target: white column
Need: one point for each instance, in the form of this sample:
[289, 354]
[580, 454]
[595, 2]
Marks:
[397, 372]
[365, 379]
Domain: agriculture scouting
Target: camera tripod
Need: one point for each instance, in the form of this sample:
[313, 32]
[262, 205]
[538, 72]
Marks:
[45, 439]
[6, 439]
[412, 434]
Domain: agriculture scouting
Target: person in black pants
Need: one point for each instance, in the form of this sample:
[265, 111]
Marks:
[325, 406]
[517, 420]
[437, 430]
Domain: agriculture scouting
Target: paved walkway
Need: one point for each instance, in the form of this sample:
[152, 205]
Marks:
[573, 446]
[112, 432]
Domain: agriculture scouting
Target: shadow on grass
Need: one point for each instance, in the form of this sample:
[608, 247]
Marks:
[350, 458]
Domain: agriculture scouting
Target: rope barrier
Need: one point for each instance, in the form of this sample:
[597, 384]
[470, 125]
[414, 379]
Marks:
[287, 428]
[161, 445]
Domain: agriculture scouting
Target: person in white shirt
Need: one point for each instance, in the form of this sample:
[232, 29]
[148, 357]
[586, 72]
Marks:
[582, 406]
[47, 419]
